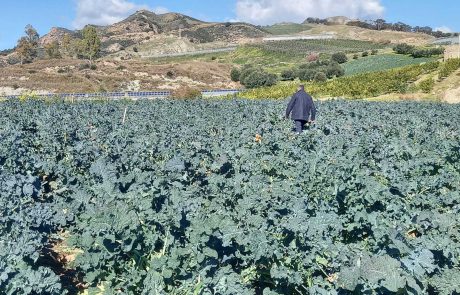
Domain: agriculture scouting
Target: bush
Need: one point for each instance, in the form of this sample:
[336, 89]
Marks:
[307, 74]
[427, 85]
[170, 74]
[84, 67]
[403, 48]
[213, 58]
[235, 75]
[339, 57]
[355, 56]
[334, 70]
[449, 67]
[135, 49]
[121, 68]
[288, 75]
[374, 52]
[320, 77]
[427, 52]
[246, 71]
[61, 71]
[93, 67]
[365, 53]
[259, 78]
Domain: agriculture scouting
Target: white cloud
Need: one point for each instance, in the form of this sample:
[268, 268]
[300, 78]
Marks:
[104, 12]
[272, 11]
[444, 29]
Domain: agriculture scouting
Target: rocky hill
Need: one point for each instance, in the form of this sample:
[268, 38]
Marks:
[145, 25]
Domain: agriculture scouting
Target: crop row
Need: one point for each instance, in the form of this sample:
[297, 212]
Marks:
[219, 197]
[357, 86]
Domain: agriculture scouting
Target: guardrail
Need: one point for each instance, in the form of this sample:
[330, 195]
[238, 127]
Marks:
[102, 95]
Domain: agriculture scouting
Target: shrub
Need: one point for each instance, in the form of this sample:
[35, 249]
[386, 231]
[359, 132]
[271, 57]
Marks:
[403, 48]
[355, 56]
[235, 75]
[93, 67]
[365, 53]
[84, 67]
[170, 74]
[427, 85]
[449, 67]
[306, 74]
[259, 78]
[61, 71]
[334, 70]
[374, 52]
[213, 58]
[427, 52]
[121, 68]
[135, 49]
[246, 71]
[32, 71]
[339, 57]
[288, 75]
[320, 77]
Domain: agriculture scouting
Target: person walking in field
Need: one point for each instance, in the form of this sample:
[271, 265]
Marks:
[302, 109]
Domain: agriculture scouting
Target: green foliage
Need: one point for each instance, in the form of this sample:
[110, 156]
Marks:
[365, 53]
[339, 57]
[427, 85]
[258, 78]
[28, 45]
[305, 47]
[235, 75]
[380, 63]
[367, 203]
[418, 52]
[427, 52]
[52, 50]
[90, 45]
[320, 77]
[288, 75]
[358, 86]
[286, 28]
[449, 67]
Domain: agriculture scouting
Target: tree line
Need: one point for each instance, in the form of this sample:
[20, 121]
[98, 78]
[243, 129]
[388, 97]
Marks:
[381, 24]
[86, 47]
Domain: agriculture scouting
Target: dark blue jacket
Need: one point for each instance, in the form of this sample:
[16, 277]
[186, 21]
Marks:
[301, 106]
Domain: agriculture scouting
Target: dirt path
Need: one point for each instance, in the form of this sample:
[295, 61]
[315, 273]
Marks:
[452, 95]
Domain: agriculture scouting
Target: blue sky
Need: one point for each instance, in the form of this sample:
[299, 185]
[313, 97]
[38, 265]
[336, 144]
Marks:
[45, 14]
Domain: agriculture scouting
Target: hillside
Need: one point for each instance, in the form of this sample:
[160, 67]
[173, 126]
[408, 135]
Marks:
[144, 25]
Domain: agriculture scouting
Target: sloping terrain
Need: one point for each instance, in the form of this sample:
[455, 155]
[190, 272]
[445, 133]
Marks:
[145, 25]
[356, 33]
[63, 76]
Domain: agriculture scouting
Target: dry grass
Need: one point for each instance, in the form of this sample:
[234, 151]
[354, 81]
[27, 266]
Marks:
[356, 33]
[67, 76]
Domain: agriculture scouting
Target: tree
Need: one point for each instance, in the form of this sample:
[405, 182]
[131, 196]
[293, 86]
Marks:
[90, 45]
[380, 24]
[235, 75]
[66, 44]
[27, 46]
[339, 57]
[52, 50]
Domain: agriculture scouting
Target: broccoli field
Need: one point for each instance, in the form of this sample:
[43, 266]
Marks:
[220, 197]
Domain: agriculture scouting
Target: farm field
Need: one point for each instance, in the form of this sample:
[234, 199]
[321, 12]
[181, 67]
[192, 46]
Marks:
[287, 28]
[219, 197]
[381, 62]
[304, 47]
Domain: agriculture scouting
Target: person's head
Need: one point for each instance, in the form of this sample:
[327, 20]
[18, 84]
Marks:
[301, 88]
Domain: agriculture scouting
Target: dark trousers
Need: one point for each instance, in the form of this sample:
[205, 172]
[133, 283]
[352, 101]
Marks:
[299, 125]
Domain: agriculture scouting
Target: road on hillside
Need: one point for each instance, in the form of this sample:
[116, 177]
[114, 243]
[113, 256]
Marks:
[207, 51]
